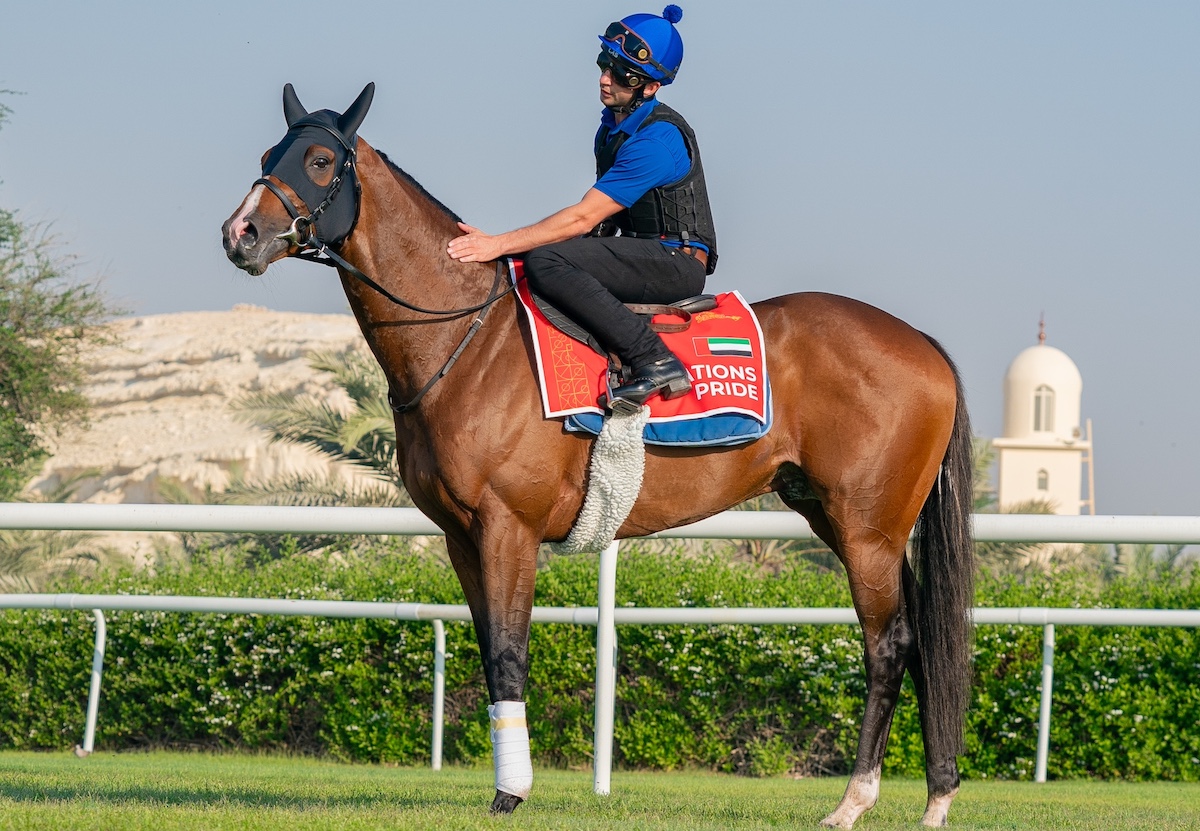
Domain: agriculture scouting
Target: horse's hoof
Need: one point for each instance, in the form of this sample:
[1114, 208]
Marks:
[937, 810]
[505, 803]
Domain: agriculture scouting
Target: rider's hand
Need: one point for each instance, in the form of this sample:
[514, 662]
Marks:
[474, 246]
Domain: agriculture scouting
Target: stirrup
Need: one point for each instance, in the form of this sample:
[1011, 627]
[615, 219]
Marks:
[621, 407]
[629, 398]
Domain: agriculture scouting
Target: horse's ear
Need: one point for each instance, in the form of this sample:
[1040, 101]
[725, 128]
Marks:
[349, 122]
[293, 110]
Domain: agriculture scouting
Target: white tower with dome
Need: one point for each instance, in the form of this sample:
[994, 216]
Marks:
[1042, 451]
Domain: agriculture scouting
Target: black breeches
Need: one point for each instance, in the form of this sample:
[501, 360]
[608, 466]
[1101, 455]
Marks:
[590, 279]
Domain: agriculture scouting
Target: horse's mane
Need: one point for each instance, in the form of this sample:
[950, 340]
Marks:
[399, 171]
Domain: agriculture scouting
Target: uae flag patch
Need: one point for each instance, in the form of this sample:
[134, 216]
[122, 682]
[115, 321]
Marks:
[723, 347]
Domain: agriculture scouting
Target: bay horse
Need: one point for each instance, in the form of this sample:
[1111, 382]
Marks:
[870, 437]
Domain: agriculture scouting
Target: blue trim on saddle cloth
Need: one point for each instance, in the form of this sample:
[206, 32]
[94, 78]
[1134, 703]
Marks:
[723, 430]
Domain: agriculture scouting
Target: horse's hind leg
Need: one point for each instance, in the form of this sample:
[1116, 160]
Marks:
[873, 565]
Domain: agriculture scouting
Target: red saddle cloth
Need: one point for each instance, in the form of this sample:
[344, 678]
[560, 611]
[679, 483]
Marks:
[722, 350]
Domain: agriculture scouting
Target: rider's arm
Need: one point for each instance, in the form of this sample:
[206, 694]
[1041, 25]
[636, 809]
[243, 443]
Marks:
[574, 221]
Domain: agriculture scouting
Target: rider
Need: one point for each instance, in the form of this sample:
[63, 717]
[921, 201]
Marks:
[649, 186]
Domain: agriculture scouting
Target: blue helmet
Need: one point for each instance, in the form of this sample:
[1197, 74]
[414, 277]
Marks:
[647, 44]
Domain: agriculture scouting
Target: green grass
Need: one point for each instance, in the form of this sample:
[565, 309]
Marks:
[172, 790]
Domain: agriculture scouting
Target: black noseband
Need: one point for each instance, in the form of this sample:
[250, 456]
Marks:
[302, 230]
[330, 222]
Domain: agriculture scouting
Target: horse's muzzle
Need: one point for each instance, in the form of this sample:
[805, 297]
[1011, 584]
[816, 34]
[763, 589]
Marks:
[247, 248]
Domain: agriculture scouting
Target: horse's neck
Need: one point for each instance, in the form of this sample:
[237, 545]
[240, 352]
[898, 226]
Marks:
[400, 242]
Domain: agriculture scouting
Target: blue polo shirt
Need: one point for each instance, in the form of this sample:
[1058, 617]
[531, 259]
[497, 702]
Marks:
[650, 158]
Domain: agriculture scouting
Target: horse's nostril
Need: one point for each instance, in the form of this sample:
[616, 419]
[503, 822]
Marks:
[249, 236]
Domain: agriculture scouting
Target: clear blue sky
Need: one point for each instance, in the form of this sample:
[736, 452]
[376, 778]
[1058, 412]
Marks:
[965, 166]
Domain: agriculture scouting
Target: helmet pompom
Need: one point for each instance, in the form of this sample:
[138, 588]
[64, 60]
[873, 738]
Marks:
[673, 13]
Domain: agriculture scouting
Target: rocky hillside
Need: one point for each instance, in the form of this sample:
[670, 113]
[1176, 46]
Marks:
[161, 402]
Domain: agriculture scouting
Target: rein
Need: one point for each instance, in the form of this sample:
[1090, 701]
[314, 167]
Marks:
[475, 326]
[302, 234]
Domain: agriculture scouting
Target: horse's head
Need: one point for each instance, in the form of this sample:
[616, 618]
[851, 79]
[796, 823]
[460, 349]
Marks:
[307, 195]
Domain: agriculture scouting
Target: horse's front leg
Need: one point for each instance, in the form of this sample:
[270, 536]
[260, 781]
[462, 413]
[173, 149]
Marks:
[501, 610]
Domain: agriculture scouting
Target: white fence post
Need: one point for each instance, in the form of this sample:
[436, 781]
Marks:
[606, 670]
[439, 691]
[1043, 745]
[93, 705]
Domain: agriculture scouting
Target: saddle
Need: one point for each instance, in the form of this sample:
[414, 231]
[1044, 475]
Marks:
[717, 337]
[682, 309]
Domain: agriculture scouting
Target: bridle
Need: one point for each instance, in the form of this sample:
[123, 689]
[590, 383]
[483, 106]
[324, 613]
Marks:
[302, 234]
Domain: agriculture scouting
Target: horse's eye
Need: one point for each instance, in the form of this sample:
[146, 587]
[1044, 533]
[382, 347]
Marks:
[320, 162]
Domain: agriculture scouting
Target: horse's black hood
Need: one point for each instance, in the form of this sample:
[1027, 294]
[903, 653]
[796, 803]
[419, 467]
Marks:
[285, 161]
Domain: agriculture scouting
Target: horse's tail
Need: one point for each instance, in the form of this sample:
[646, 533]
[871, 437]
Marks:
[943, 563]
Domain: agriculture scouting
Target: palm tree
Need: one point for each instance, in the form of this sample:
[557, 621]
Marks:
[984, 456]
[1177, 559]
[773, 555]
[1144, 561]
[1027, 559]
[362, 435]
[31, 561]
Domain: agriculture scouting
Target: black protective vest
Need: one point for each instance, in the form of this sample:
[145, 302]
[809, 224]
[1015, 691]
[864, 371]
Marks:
[678, 211]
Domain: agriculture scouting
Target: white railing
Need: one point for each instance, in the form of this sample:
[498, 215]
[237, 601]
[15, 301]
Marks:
[738, 525]
[729, 525]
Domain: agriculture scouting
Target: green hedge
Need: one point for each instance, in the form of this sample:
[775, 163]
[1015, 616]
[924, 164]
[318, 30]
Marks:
[749, 699]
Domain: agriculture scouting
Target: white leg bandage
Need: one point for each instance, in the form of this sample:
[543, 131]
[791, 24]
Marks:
[510, 748]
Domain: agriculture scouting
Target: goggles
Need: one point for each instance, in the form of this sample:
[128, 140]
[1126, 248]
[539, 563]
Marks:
[633, 46]
[621, 75]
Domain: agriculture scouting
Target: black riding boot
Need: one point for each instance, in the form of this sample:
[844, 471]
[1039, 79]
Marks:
[666, 376]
